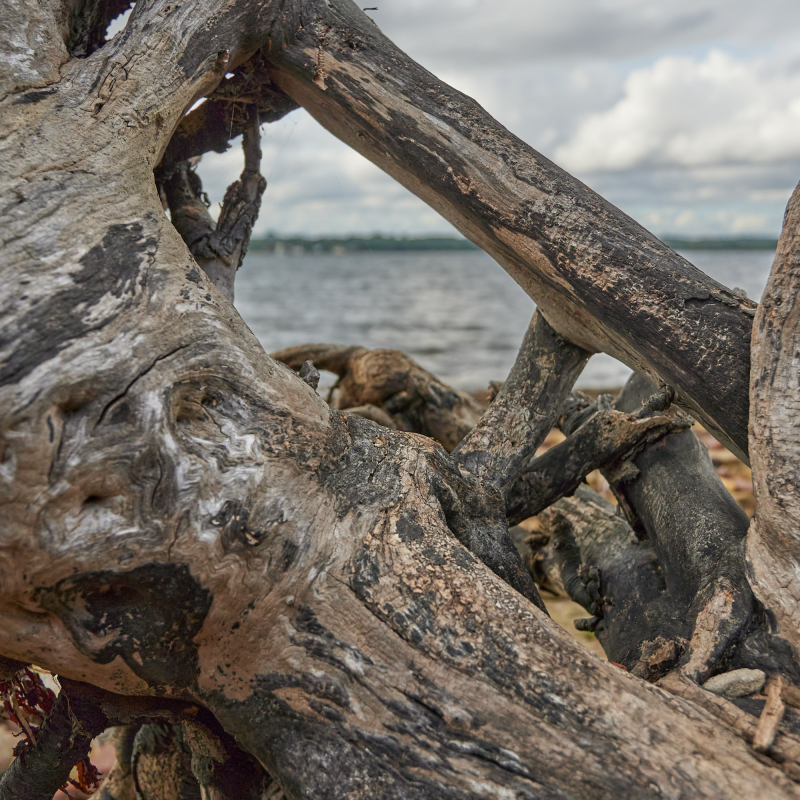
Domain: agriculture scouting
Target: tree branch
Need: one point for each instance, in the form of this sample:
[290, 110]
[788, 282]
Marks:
[599, 278]
[219, 247]
[185, 517]
[391, 381]
[773, 543]
[524, 411]
[225, 114]
[62, 742]
[607, 438]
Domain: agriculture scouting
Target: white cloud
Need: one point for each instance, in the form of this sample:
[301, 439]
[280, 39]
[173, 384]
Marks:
[692, 113]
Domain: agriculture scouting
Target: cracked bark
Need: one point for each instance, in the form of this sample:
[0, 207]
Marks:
[600, 279]
[219, 247]
[524, 411]
[772, 543]
[676, 594]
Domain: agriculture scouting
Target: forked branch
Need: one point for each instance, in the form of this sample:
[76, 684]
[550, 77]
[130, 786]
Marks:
[522, 414]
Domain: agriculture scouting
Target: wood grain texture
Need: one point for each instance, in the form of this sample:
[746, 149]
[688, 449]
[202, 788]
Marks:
[599, 278]
[529, 402]
[185, 517]
[773, 542]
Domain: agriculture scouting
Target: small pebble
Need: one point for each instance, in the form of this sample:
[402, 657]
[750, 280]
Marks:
[738, 683]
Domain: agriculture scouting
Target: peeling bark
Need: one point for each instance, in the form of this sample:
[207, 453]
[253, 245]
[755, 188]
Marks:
[600, 279]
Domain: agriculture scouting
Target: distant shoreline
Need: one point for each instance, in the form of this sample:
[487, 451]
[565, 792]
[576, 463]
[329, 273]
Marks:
[300, 245]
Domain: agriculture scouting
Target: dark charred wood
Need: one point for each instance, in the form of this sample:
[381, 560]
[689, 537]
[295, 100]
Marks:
[225, 114]
[84, 23]
[219, 247]
[681, 596]
[697, 532]
[607, 438]
[524, 410]
[184, 517]
[589, 553]
[598, 277]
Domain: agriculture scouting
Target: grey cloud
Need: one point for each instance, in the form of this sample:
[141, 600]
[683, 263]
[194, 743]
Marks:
[529, 31]
[542, 68]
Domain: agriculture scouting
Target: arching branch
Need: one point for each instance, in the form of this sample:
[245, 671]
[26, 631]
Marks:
[599, 278]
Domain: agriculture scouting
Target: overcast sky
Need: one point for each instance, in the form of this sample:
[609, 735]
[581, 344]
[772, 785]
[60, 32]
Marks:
[685, 114]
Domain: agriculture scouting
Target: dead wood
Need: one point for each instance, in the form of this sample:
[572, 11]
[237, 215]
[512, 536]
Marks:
[119, 784]
[219, 247]
[774, 537]
[600, 279]
[785, 748]
[226, 113]
[771, 716]
[679, 595]
[63, 741]
[523, 412]
[389, 380]
[607, 439]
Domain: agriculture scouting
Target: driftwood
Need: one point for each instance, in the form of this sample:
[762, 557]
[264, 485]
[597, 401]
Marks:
[186, 521]
[409, 397]
[772, 545]
[670, 589]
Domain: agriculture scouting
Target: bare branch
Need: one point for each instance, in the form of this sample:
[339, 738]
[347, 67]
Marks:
[786, 748]
[225, 114]
[390, 380]
[219, 247]
[62, 742]
[524, 411]
[771, 716]
[606, 439]
[599, 278]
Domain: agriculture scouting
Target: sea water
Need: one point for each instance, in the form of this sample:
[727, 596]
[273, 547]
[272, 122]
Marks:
[458, 314]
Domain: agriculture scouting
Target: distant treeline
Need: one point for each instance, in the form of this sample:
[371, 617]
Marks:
[360, 244]
[751, 243]
[357, 244]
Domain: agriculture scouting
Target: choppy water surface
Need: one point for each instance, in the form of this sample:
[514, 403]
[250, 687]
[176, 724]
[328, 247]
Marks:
[458, 314]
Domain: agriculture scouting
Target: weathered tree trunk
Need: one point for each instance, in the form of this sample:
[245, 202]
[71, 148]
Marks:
[774, 539]
[185, 517]
[599, 278]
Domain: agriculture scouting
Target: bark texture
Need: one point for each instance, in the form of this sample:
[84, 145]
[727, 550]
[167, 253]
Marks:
[774, 539]
[599, 278]
[669, 590]
[395, 385]
[219, 247]
[522, 414]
